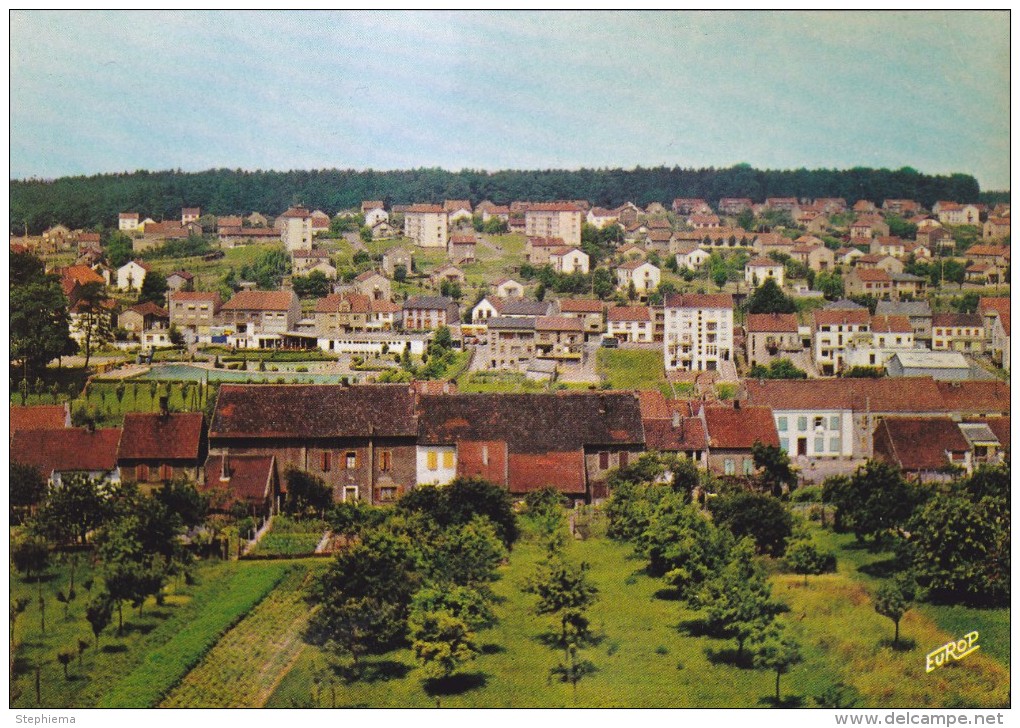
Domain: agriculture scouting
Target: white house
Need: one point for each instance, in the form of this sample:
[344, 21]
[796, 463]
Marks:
[436, 464]
[759, 270]
[568, 260]
[374, 212]
[131, 275]
[832, 333]
[509, 288]
[698, 331]
[128, 221]
[814, 418]
[691, 256]
[642, 274]
[630, 323]
[296, 228]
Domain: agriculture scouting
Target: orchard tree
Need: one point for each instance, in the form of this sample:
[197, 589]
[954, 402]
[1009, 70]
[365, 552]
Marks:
[441, 643]
[27, 489]
[803, 557]
[893, 599]
[779, 654]
[761, 517]
[776, 473]
[573, 669]
[874, 502]
[99, 614]
[30, 555]
[565, 593]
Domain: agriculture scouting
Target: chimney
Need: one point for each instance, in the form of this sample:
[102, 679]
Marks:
[225, 468]
[164, 406]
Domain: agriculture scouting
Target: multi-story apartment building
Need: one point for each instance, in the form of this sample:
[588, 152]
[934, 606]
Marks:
[194, 311]
[832, 332]
[699, 331]
[296, 228]
[260, 318]
[511, 341]
[128, 221]
[963, 332]
[427, 225]
[771, 336]
[630, 323]
[425, 313]
[554, 220]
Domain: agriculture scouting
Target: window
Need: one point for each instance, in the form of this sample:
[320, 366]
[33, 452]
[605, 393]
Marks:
[802, 424]
[166, 472]
[834, 422]
[781, 423]
[784, 442]
[352, 459]
[485, 454]
[388, 493]
[385, 460]
[819, 422]
[728, 467]
[432, 460]
[819, 445]
[624, 459]
[603, 461]
[326, 461]
[834, 445]
[142, 473]
[447, 460]
[748, 467]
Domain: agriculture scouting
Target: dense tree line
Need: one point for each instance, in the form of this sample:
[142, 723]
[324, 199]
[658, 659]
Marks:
[85, 202]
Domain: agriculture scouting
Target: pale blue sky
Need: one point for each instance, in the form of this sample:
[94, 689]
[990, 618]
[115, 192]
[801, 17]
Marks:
[114, 91]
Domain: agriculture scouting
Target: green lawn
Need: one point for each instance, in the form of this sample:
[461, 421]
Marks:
[651, 654]
[289, 536]
[247, 663]
[155, 650]
[513, 382]
[632, 369]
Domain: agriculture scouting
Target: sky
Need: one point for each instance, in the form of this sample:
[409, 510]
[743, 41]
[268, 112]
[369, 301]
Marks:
[98, 91]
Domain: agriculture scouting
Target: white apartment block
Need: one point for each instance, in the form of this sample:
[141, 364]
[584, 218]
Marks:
[296, 228]
[699, 331]
[427, 226]
[554, 220]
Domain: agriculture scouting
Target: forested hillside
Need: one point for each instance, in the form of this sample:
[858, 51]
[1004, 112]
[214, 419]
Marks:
[91, 201]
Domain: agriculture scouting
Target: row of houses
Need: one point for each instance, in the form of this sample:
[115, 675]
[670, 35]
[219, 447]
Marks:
[376, 442]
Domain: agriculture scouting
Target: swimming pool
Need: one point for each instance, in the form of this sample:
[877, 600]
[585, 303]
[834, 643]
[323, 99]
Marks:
[189, 373]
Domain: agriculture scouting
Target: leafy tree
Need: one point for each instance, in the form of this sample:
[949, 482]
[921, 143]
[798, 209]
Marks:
[465, 554]
[441, 643]
[400, 273]
[119, 249]
[901, 228]
[366, 234]
[959, 540]
[564, 592]
[738, 602]
[719, 278]
[79, 506]
[496, 226]
[874, 502]
[540, 292]
[756, 515]
[27, 489]
[361, 258]
[773, 463]
[573, 670]
[268, 269]
[769, 298]
[99, 614]
[352, 518]
[777, 369]
[682, 545]
[462, 500]
[30, 555]
[803, 557]
[838, 695]
[967, 303]
[182, 498]
[473, 606]
[64, 657]
[307, 494]
[893, 599]
[859, 371]
[154, 288]
[830, 284]
[955, 272]
[39, 322]
[95, 318]
[777, 653]
[314, 285]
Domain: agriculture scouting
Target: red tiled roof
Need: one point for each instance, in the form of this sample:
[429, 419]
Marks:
[629, 313]
[70, 449]
[41, 417]
[546, 242]
[129, 216]
[730, 428]
[462, 240]
[298, 212]
[907, 395]
[249, 477]
[149, 309]
[534, 471]
[653, 405]
[989, 250]
[763, 263]
[873, 275]
[183, 274]
[454, 205]
[260, 301]
[975, 397]
[918, 443]
[424, 208]
[658, 235]
[891, 325]
[557, 323]
[152, 436]
[369, 205]
[771, 323]
[699, 300]
[553, 207]
[314, 253]
[580, 305]
[661, 435]
[958, 320]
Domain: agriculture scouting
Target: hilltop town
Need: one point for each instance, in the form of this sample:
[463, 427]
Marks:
[288, 369]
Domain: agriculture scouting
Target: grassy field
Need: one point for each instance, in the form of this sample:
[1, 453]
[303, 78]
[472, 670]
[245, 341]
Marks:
[632, 369]
[290, 536]
[247, 663]
[652, 654]
[513, 382]
[155, 649]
